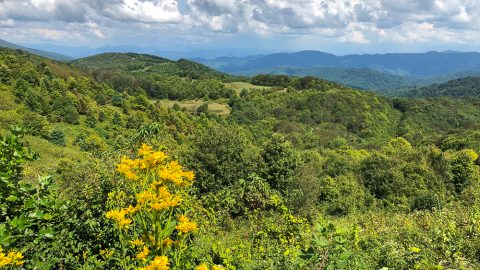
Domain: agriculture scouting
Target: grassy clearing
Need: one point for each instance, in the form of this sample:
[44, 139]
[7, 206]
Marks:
[50, 156]
[192, 105]
[239, 86]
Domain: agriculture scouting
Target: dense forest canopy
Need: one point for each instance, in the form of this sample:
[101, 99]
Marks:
[300, 173]
[463, 87]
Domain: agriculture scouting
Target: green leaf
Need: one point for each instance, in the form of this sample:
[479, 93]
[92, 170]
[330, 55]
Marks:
[19, 222]
[12, 198]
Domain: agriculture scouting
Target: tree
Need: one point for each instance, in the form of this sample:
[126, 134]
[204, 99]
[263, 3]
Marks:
[221, 156]
[117, 120]
[281, 161]
[70, 115]
[203, 108]
[57, 136]
[91, 119]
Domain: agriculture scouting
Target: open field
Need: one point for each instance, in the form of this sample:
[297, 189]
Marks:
[239, 86]
[192, 105]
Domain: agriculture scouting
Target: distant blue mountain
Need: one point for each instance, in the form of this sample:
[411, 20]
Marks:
[85, 51]
[403, 64]
[47, 54]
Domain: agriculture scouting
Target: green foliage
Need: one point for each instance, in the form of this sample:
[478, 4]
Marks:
[281, 162]
[222, 155]
[57, 136]
[393, 182]
[12, 156]
[203, 108]
[331, 249]
[35, 124]
[464, 87]
[156, 76]
[91, 143]
[285, 81]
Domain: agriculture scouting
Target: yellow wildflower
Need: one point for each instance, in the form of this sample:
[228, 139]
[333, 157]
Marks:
[165, 204]
[217, 267]
[189, 175]
[145, 197]
[143, 254]
[159, 263]
[167, 242]
[186, 225]
[202, 267]
[155, 158]
[173, 172]
[414, 249]
[127, 168]
[107, 253]
[119, 217]
[12, 258]
[144, 150]
[137, 242]
[130, 210]
[471, 154]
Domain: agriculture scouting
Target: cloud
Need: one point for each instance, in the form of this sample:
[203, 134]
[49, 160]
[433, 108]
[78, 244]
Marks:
[68, 11]
[358, 20]
[159, 11]
[349, 21]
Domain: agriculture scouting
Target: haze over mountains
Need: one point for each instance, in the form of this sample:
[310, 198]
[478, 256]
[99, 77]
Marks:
[386, 73]
[48, 54]
[411, 64]
[378, 72]
[173, 53]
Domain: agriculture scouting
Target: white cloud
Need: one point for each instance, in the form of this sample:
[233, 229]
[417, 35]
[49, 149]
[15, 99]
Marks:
[159, 11]
[350, 21]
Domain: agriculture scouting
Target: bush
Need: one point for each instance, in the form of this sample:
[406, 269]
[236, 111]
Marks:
[57, 136]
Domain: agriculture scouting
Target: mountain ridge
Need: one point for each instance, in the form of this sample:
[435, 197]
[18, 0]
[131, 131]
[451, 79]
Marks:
[47, 54]
[404, 64]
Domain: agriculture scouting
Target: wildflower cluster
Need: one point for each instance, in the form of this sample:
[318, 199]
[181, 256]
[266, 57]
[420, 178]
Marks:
[205, 267]
[159, 263]
[151, 223]
[11, 258]
[186, 225]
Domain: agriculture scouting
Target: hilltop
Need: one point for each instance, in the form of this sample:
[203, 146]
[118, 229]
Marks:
[145, 64]
[158, 77]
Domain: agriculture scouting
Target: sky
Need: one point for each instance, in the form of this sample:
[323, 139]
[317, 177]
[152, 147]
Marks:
[337, 26]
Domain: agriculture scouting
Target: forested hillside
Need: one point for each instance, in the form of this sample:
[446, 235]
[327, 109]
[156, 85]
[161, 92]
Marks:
[300, 173]
[464, 87]
[359, 78]
[384, 73]
[159, 77]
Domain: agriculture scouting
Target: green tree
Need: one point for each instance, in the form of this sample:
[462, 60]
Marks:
[281, 161]
[203, 108]
[221, 156]
[91, 120]
[57, 136]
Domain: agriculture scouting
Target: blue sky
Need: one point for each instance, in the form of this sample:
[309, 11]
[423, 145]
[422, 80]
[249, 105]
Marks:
[338, 26]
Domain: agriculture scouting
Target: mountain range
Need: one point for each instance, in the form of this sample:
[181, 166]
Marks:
[403, 64]
[85, 51]
[379, 72]
[47, 54]
[391, 74]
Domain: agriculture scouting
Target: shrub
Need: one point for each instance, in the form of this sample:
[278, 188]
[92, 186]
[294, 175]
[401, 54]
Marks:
[57, 136]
